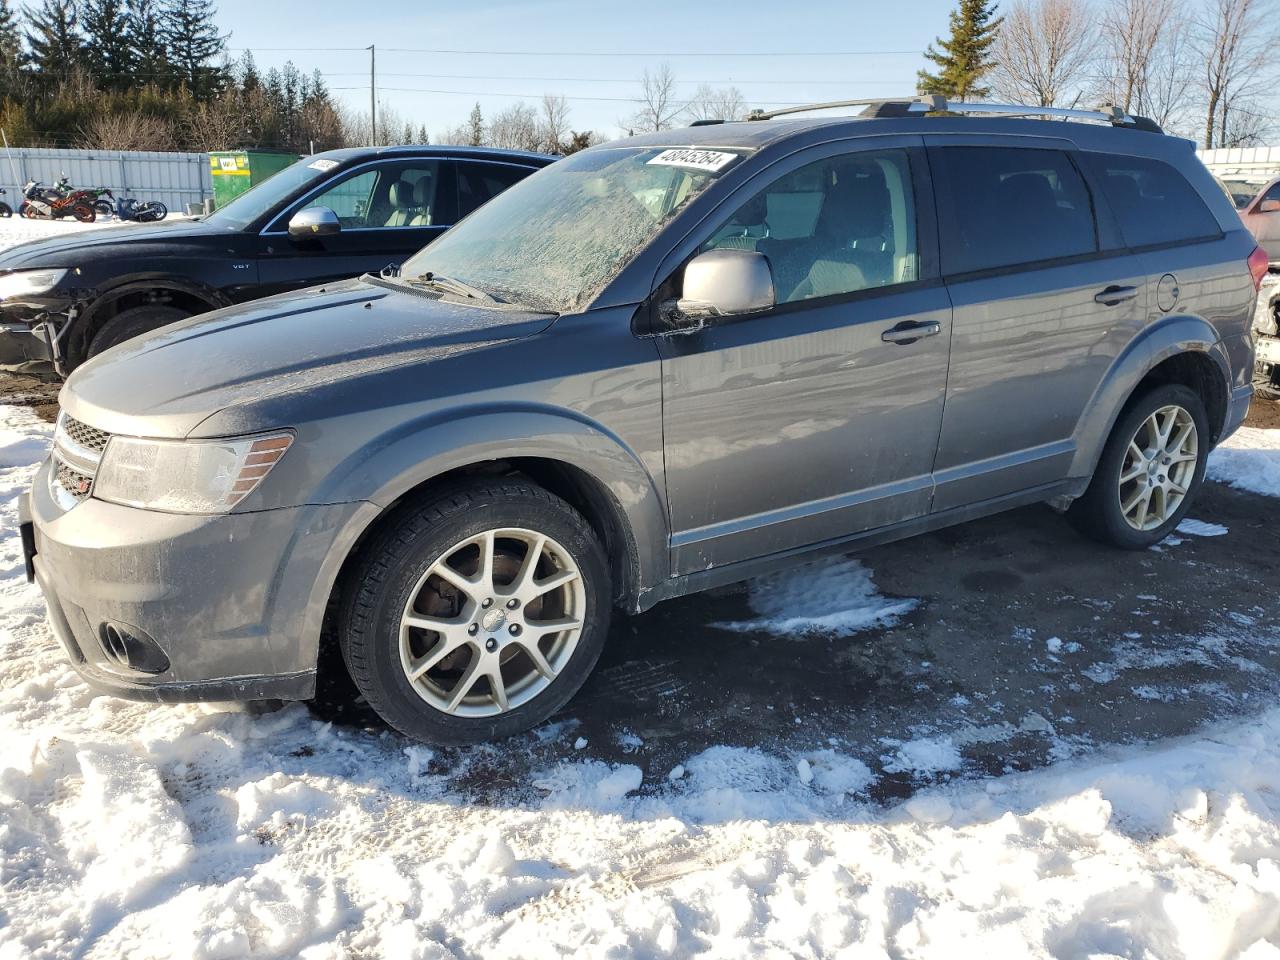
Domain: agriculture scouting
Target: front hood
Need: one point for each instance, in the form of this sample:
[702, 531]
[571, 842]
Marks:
[69, 250]
[166, 383]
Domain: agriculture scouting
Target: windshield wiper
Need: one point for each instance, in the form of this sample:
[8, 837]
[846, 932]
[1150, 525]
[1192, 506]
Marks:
[456, 287]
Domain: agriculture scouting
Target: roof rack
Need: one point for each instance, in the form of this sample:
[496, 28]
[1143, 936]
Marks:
[934, 103]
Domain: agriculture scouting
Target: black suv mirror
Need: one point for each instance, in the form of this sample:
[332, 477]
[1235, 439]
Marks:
[314, 222]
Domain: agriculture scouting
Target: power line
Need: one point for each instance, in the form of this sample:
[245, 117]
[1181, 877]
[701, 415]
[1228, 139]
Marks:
[528, 96]
[632, 80]
[586, 53]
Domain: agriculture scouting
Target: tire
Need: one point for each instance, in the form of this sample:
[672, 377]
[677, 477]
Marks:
[133, 322]
[83, 213]
[152, 212]
[1266, 390]
[6, 211]
[103, 208]
[1100, 513]
[394, 579]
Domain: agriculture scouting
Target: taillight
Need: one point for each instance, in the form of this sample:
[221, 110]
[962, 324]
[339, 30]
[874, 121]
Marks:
[1258, 264]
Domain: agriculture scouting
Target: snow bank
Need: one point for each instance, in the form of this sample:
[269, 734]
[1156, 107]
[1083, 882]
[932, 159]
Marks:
[1249, 460]
[834, 597]
[132, 830]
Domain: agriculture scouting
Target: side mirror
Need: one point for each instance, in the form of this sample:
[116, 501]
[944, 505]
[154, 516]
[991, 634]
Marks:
[726, 283]
[1269, 206]
[314, 222]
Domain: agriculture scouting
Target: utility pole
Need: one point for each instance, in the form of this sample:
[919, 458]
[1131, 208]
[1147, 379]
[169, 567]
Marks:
[373, 99]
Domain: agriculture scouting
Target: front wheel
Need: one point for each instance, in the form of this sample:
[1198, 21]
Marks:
[1150, 470]
[5, 210]
[478, 614]
[83, 213]
[152, 212]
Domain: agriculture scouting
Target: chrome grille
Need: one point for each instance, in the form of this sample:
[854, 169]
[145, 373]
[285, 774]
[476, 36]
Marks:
[77, 451]
[85, 436]
[76, 485]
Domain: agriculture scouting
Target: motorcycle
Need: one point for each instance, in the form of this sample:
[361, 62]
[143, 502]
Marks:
[148, 211]
[52, 203]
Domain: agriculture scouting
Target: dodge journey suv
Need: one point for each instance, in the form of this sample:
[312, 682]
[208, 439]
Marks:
[659, 365]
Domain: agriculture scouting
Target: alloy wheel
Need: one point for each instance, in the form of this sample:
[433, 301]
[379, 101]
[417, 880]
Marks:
[1158, 467]
[492, 622]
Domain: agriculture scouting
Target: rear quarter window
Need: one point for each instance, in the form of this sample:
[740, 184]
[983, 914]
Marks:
[1003, 207]
[1152, 201]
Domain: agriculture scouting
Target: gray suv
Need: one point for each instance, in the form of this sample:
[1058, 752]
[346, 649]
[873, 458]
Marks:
[659, 365]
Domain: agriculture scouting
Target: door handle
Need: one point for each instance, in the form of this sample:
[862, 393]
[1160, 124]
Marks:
[1114, 295]
[910, 332]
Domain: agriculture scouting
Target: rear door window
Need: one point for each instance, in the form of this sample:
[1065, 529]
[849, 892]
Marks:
[1007, 206]
[478, 183]
[1152, 201]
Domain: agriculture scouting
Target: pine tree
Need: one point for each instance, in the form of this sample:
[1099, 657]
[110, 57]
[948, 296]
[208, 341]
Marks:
[109, 51]
[146, 44]
[423, 137]
[54, 38]
[475, 126]
[10, 51]
[192, 42]
[965, 58]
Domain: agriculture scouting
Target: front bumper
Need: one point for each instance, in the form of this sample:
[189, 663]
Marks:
[233, 603]
[24, 346]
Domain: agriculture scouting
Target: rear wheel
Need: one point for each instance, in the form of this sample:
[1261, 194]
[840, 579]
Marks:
[83, 213]
[133, 322]
[5, 209]
[1149, 472]
[478, 614]
[103, 208]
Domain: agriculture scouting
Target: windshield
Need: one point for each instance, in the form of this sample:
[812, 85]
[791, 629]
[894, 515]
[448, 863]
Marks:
[1242, 191]
[553, 241]
[255, 201]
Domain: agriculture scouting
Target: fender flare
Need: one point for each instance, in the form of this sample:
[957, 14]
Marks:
[1168, 337]
[390, 466]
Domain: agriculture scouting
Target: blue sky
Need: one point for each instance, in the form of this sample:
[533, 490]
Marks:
[720, 43]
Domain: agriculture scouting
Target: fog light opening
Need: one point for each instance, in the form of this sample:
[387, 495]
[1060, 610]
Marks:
[113, 643]
[127, 646]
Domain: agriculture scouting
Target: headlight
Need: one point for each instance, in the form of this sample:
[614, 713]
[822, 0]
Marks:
[28, 282]
[186, 476]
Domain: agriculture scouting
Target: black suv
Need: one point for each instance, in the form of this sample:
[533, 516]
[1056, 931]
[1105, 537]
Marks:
[328, 217]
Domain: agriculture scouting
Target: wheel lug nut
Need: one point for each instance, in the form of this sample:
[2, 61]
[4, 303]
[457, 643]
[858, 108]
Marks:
[515, 629]
[512, 604]
[473, 629]
[491, 644]
[488, 602]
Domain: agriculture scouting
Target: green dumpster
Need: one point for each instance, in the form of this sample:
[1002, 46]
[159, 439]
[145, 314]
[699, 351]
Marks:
[235, 171]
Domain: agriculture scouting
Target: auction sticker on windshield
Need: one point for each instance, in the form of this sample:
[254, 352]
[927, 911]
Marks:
[323, 165]
[712, 160]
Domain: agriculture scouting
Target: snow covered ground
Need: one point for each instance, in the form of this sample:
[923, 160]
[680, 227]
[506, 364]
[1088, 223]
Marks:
[130, 830]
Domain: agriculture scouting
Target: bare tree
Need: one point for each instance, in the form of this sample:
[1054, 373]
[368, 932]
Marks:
[1144, 63]
[1042, 51]
[215, 125]
[515, 128]
[554, 126]
[1235, 38]
[724, 103]
[355, 126]
[658, 106]
[127, 131]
